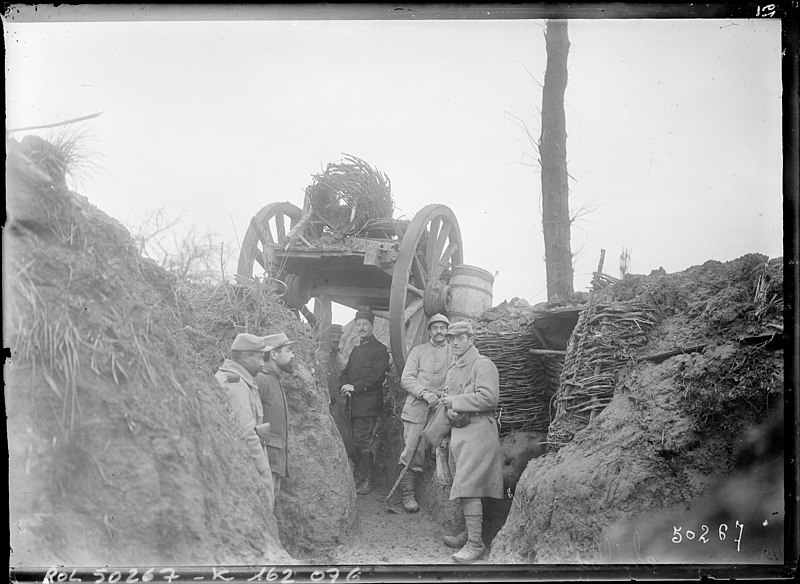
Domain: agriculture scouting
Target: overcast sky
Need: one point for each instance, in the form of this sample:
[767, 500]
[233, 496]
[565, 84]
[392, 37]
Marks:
[674, 127]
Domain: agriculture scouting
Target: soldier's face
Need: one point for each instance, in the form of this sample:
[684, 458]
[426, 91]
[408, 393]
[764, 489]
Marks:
[253, 362]
[284, 359]
[460, 343]
[363, 328]
[336, 338]
[437, 331]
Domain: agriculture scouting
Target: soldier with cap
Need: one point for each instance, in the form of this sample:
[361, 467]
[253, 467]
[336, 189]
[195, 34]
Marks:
[423, 378]
[362, 381]
[476, 459]
[335, 363]
[236, 376]
[278, 358]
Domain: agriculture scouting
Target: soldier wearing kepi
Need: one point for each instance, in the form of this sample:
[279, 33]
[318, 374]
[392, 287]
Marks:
[362, 381]
[423, 378]
[476, 459]
[278, 358]
[236, 376]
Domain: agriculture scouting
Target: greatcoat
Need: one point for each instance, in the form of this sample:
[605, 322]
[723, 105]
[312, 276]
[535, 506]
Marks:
[243, 397]
[426, 369]
[366, 371]
[476, 458]
[276, 412]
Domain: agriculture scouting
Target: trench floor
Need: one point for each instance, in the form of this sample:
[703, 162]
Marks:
[388, 538]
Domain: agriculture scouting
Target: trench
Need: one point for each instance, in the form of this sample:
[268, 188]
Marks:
[384, 537]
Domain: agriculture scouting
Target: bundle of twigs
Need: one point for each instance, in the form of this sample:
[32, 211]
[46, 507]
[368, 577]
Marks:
[348, 194]
[769, 289]
[524, 394]
[605, 337]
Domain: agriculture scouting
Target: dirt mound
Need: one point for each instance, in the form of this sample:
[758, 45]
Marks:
[316, 506]
[671, 428]
[121, 447]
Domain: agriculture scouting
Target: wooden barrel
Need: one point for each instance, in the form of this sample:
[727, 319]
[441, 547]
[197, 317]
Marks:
[472, 292]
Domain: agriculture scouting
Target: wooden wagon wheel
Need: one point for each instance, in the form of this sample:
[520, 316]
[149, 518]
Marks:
[270, 226]
[430, 247]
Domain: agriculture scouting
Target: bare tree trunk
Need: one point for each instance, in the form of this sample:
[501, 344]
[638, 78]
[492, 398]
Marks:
[553, 158]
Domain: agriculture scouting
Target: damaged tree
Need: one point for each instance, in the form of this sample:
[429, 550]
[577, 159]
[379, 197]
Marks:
[553, 159]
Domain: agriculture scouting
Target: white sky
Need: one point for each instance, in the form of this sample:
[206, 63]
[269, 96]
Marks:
[674, 127]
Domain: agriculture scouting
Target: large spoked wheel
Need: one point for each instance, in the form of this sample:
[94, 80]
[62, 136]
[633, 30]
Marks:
[430, 247]
[268, 226]
[256, 260]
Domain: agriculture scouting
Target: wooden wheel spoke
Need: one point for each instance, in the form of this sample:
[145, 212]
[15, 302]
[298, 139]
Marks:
[259, 257]
[420, 273]
[280, 227]
[414, 307]
[443, 235]
[421, 335]
[433, 240]
[448, 254]
[265, 235]
[414, 290]
[414, 327]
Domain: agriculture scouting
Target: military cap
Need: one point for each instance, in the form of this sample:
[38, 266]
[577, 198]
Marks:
[248, 342]
[276, 341]
[365, 314]
[438, 318]
[460, 328]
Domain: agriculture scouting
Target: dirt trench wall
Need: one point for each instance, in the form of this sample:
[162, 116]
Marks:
[316, 508]
[670, 430]
[122, 449]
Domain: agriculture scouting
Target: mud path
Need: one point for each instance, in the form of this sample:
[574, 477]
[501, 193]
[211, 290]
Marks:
[388, 538]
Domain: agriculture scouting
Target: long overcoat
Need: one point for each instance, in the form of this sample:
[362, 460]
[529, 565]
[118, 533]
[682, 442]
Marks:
[476, 459]
[366, 371]
[240, 388]
[426, 369]
[276, 412]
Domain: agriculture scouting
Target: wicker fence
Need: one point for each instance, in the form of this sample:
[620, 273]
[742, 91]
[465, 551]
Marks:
[526, 383]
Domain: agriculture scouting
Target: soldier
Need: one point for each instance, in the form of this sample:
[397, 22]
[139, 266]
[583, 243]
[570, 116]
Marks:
[278, 358]
[236, 376]
[335, 364]
[362, 381]
[476, 459]
[423, 378]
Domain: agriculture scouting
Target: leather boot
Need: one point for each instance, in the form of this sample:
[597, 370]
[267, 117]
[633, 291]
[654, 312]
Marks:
[366, 486]
[455, 541]
[409, 501]
[474, 547]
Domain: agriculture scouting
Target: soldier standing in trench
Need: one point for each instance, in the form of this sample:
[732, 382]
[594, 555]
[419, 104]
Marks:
[362, 381]
[423, 378]
[278, 358]
[236, 376]
[476, 459]
[335, 364]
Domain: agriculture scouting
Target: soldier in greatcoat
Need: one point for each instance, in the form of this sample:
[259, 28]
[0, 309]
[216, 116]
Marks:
[423, 378]
[278, 358]
[362, 381]
[237, 378]
[476, 459]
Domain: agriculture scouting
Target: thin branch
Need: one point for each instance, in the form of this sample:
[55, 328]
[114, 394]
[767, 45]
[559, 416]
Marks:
[53, 125]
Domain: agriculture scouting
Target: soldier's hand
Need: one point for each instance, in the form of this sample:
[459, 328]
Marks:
[447, 401]
[430, 398]
[347, 390]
